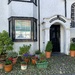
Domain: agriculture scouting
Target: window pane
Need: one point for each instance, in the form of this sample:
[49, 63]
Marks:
[22, 29]
[35, 31]
[10, 29]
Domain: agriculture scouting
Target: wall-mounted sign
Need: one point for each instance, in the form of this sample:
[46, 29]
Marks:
[57, 18]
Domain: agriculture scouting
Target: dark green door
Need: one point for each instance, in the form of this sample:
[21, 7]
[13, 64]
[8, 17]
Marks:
[55, 37]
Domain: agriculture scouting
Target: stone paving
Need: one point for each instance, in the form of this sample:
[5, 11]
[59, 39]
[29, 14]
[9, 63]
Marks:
[57, 65]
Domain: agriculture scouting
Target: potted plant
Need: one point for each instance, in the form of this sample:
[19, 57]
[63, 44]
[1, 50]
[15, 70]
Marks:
[8, 65]
[42, 64]
[12, 56]
[34, 60]
[42, 56]
[37, 53]
[24, 52]
[24, 49]
[6, 43]
[48, 49]
[1, 64]
[26, 57]
[72, 49]
[23, 65]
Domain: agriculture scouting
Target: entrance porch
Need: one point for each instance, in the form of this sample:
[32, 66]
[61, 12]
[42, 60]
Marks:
[57, 30]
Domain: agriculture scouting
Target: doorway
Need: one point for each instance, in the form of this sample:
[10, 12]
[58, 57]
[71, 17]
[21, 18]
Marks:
[55, 37]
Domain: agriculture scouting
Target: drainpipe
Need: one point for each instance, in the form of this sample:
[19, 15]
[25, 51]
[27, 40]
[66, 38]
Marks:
[65, 8]
[39, 20]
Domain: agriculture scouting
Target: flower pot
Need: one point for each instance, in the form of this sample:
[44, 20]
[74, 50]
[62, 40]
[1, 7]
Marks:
[23, 66]
[1, 65]
[33, 61]
[48, 54]
[8, 68]
[42, 65]
[27, 60]
[14, 60]
[72, 53]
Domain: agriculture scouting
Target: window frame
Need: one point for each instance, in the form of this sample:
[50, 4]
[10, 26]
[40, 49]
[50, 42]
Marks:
[73, 15]
[31, 1]
[12, 19]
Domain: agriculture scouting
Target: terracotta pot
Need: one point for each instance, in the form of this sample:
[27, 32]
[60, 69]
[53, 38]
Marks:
[72, 53]
[1, 65]
[23, 67]
[48, 54]
[14, 60]
[33, 61]
[8, 68]
[27, 60]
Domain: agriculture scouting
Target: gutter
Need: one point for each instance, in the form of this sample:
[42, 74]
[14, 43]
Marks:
[65, 8]
[39, 21]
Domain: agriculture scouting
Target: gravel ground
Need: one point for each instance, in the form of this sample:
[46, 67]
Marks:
[56, 65]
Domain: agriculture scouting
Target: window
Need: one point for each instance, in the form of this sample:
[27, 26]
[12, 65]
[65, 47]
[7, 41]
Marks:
[23, 29]
[34, 1]
[73, 15]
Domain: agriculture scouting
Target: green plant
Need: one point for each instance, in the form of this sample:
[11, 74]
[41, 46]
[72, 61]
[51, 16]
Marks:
[6, 43]
[24, 49]
[42, 55]
[37, 52]
[49, 46]
[23, 62]
[12, 54]
[7, 62]
[72, 46]
[41, 61]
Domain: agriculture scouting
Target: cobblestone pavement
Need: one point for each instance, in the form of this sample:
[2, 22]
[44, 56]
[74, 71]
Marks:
[57, 65]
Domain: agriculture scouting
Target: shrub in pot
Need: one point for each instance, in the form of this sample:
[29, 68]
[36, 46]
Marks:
[23, 65]
[24, 49]
[8, 65]
[6, 43]
[48, 49]
[72, 49]
[24, 52]
[12, 56]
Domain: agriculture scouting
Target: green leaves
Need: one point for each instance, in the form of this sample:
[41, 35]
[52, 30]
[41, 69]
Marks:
[7, 62]
[5, 42]
[49, 46]
[72, 46]
[24, 49]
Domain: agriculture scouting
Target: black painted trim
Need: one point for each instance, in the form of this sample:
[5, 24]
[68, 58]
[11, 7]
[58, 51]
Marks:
[23, 1]
[13, 18]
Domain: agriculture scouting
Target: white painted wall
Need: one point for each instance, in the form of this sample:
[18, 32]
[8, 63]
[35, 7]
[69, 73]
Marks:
[3, 15]
[51, 7]
[72, 33]
[32, 50]
[23, 9]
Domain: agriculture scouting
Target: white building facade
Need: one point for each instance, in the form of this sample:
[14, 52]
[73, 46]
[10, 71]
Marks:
[22, 18]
